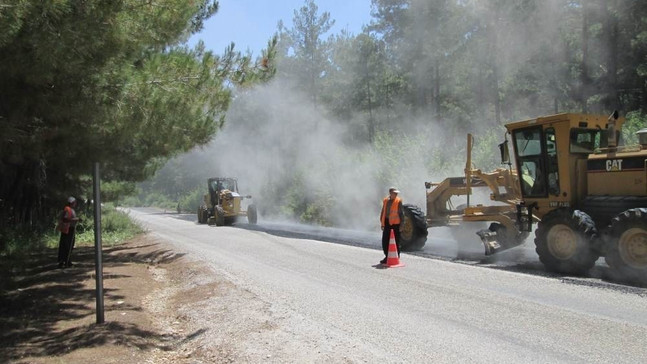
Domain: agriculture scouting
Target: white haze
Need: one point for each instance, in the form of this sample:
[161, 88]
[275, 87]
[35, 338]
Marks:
[272, 134]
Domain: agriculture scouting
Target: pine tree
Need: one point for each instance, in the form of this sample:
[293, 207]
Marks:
[104, 81]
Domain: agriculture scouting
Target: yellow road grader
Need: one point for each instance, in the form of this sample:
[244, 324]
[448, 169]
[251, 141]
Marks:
[586, 194]
[222, 205]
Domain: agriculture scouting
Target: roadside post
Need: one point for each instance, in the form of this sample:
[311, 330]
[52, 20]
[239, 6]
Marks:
[97, 242]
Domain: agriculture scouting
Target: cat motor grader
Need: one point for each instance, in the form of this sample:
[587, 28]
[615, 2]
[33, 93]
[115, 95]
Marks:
[587, 194]
[222, 205]
[503, 188]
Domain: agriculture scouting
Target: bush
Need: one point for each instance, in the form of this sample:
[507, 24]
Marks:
[635, 121]
[116, 226]
[21, 242]
[191, 201]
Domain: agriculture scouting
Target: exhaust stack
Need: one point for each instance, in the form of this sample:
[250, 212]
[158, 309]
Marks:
[611, 131]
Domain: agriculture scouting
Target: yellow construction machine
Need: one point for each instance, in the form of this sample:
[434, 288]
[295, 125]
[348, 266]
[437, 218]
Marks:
[222, 205]
[587, 194]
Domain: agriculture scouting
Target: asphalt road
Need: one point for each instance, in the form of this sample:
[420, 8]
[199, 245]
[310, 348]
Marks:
[329, 292]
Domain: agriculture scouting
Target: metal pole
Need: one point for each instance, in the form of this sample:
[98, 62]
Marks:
[97, 242]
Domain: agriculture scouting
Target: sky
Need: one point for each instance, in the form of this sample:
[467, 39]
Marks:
[251, 23]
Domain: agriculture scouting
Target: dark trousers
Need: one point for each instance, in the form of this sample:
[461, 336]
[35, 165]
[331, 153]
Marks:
[65, 246]
[386, 237]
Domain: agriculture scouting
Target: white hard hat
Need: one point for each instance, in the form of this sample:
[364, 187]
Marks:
[71, 199]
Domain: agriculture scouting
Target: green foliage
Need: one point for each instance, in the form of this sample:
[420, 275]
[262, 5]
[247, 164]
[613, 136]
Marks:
[131, 200]
[408, 88]
[20, 242]
[109, 82]
[401, 157]
[192, 200]
[116, 227]
[160, 200]
[485, 151]
[113, 191]
[635, 121]
[311, 57]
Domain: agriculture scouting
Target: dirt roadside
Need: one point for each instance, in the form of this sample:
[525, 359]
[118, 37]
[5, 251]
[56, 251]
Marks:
[160, 307]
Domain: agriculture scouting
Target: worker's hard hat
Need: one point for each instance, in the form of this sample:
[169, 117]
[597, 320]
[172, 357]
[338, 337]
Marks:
[393, 189]
[71, 199]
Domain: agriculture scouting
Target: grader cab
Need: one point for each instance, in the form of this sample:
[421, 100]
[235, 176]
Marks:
[222, 205]
[587, 194]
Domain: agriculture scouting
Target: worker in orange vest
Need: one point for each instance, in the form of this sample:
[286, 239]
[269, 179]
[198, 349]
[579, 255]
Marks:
[67, 226]
[390, 218]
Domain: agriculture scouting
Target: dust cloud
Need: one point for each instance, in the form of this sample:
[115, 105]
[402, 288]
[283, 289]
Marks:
[275, 140]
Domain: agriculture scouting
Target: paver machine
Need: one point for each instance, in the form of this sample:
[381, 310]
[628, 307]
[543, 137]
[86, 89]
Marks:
[222, 205]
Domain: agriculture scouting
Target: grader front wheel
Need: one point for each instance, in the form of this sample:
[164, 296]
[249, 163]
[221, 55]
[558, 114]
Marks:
[413, 229]
[200, 216]
[219, 216]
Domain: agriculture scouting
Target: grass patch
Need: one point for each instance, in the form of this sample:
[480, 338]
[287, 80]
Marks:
[116, 227]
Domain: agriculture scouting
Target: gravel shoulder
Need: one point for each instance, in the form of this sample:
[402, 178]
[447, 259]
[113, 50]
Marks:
[160, 307]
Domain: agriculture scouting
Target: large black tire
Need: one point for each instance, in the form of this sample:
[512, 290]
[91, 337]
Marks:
[219, 216]
[414, 228]
[200, 215]
[203, 215]
[627, 243]
[564, 241]
[252, 214]
[603, 209]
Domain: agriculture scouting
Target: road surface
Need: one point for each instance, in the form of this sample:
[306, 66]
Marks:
[328, 297]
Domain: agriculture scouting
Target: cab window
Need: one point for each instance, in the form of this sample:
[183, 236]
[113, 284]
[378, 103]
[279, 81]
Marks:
[584, 141]
[532, 174]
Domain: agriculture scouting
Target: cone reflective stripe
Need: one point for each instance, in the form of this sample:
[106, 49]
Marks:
[392, 258]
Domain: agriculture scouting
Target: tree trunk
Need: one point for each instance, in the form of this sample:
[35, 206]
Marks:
[611, 101]
[584, 77]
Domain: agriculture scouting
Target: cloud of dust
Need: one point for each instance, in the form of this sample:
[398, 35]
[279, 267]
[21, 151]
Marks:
[273, 135]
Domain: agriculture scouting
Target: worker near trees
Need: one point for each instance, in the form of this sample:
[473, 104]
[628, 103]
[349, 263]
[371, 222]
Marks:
[390, 218]
[67, 226]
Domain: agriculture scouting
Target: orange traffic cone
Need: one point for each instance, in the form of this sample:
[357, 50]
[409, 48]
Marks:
[392, 259]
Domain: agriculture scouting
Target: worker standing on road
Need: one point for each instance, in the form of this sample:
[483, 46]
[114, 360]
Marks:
[390, 218]
[67, 226]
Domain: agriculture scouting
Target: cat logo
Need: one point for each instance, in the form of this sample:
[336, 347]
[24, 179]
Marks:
[614, 165]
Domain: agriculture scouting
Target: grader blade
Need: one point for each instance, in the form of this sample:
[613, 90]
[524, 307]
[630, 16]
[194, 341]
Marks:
[495, 243]
[490, 243]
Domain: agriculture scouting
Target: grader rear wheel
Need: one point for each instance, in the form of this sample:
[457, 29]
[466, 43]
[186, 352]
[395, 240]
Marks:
[252, 214]
[563, 241]
[627, 247]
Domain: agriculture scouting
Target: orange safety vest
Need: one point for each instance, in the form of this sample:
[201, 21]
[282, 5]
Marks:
[65, 220]
[394, 217]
